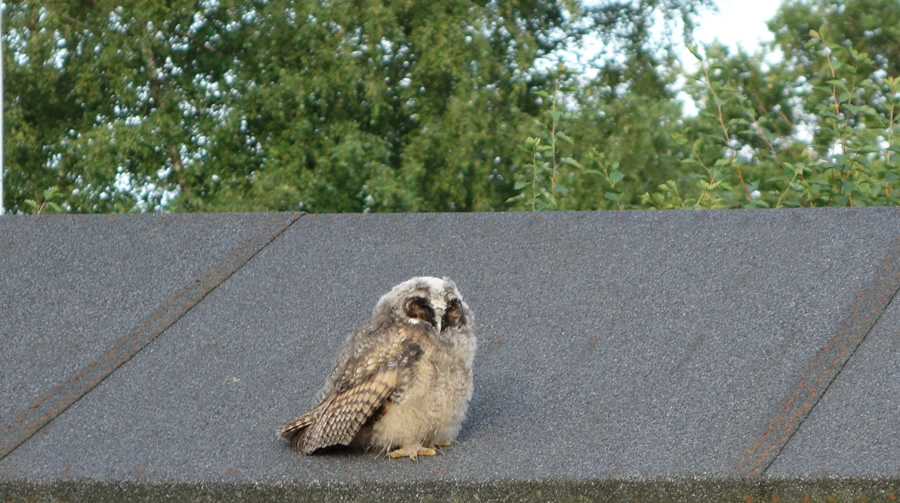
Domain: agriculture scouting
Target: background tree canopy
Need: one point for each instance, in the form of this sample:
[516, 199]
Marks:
[367, 105]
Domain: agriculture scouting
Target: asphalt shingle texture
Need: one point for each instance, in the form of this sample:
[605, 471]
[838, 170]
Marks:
[684, 355]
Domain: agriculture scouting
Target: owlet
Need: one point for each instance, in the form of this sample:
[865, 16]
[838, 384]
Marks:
[403, 382]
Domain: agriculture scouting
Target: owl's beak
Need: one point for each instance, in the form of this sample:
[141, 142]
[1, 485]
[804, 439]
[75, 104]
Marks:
[438, 319]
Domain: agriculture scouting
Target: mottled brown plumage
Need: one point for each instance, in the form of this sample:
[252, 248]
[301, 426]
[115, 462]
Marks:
[401, 383]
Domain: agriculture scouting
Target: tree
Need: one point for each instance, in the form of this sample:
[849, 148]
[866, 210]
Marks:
[238, 105]
[844, 58]
[815, 129]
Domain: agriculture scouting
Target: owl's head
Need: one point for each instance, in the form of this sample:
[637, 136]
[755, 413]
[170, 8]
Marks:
[425, 299]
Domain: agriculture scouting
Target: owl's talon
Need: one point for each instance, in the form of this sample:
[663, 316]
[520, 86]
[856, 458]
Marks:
[412, 451]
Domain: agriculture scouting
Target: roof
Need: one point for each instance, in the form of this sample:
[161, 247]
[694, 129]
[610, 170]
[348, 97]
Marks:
[690, 354]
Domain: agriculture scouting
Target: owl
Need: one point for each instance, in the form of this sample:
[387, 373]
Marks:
[400, 384]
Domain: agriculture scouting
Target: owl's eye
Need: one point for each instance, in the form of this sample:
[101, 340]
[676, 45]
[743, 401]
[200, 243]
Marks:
[418, 308]
[453, 314]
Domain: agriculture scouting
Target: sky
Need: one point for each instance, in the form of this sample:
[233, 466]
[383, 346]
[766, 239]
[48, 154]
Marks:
[738, 23]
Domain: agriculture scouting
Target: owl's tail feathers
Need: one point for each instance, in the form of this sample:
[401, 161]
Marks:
[296, 431]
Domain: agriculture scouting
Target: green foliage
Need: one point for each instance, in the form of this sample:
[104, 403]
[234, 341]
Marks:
[817, 129]
[369, 105]
[241, 105]
[49, 194]
[543, 187]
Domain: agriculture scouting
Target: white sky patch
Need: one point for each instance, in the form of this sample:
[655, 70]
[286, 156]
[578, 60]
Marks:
[738, 24]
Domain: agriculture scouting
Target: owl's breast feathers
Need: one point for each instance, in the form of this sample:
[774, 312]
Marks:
[360, 390]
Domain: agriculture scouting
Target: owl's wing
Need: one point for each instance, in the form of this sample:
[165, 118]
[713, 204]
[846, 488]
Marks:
[353, 401]
[339, 417]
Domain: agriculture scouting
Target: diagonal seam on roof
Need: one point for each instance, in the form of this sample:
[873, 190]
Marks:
[827, 363]
[53, 403]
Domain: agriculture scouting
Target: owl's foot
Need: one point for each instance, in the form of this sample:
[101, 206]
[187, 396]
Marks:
[411, 451]
[440, 443]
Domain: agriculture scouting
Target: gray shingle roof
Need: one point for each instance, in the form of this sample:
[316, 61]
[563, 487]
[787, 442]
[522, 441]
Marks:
[623, 354]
